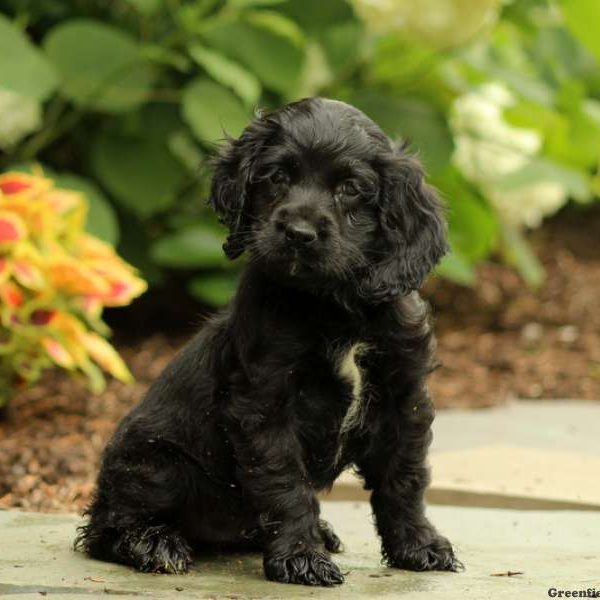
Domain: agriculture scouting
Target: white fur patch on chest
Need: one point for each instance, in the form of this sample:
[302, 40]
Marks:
[348, 369]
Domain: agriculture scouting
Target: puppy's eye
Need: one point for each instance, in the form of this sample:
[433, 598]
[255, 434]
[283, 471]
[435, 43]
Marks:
[279, 177]
[349, 187]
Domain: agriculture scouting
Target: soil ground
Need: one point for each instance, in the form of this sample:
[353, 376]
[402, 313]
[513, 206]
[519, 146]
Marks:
[497, 341]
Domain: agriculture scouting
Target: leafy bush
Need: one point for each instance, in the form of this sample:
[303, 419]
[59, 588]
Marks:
[55, 279]
[124, 100]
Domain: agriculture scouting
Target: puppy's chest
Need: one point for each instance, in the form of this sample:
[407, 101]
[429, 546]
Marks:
[348, 367]
[332, 398]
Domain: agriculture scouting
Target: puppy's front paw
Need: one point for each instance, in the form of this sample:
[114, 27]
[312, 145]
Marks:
[308, 568]
[424, 551]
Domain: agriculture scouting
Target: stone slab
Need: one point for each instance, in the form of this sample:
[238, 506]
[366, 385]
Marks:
[566, 425]
[548, 549]
[525, 455]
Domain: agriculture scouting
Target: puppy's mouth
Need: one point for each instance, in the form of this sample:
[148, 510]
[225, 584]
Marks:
[295, 261]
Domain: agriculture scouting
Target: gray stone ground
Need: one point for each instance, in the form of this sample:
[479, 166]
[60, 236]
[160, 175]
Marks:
[538, 454]
[534, 455]
[567, 425]
[549, 548]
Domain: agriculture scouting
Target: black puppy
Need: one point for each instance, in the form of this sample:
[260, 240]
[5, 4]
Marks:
[318, 364]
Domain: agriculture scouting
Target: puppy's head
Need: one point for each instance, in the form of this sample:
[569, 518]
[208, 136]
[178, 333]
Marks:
[319, 195]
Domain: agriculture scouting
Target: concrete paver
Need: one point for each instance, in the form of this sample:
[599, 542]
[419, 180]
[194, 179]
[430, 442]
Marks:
[559, 549]
[525, 455]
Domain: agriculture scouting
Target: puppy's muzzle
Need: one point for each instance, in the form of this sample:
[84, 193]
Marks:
[301, 228]
[300, 232]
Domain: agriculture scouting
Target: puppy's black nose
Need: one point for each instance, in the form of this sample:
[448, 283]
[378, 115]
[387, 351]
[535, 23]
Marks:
[300, 232]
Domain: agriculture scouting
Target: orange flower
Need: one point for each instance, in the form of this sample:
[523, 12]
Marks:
[71, 276]
[28, 275]
[58, 353]
[12, 229]
[106, 356]
[123, 292]
[15, 183]
[11, 295]
[50, 271]
[4, 269]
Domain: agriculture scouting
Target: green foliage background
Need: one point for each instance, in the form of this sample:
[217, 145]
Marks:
[135, 93]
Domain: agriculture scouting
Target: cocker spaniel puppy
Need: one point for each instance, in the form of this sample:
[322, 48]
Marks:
[319, 364]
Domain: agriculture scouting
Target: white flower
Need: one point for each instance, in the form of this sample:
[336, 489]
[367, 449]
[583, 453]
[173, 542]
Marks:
[441, 23]
[528, 204]
[19, 116]
[487, 148]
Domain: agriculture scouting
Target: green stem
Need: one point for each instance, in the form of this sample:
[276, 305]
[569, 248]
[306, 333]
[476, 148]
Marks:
[6, 389]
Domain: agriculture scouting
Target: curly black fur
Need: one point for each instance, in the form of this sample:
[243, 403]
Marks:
[318, 364]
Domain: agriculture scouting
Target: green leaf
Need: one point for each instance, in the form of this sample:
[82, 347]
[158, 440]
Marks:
[23, 68]
[228, 73]
[342, 44]
[101, 67]
[316, 15]
[473, 224]
[253, 3]
[456, 268]
[165, 56]
[576, 183]
[135, 249]
[19, 116]
[571, 138]
[388, 70]
[518, 254]
[212, 111]
[101, 221]
[192, 247]
[185, 149]
[275, 60]
[215, 290]
[582, 17]
[139, 170]
[146, 7]
[277, 24]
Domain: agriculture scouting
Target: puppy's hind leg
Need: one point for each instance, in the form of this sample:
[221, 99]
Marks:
[150, 549]
[134, 519]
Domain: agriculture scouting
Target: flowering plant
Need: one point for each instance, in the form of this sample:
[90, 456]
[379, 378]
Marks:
[55, 280]
[488, 148]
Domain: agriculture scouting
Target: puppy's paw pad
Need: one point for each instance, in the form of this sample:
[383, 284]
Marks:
[436, 555]
[307, 568]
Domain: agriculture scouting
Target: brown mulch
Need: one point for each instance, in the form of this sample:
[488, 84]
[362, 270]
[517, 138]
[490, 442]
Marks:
[497, 341]
[502, 340]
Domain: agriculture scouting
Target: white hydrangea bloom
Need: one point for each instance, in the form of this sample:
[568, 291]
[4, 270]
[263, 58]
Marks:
[19, 116]
[528, 205]
[441, 23]
[488, 148]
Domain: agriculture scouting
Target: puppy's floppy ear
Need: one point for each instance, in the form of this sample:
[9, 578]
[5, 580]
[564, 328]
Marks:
[413, 225]
[233, 171]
